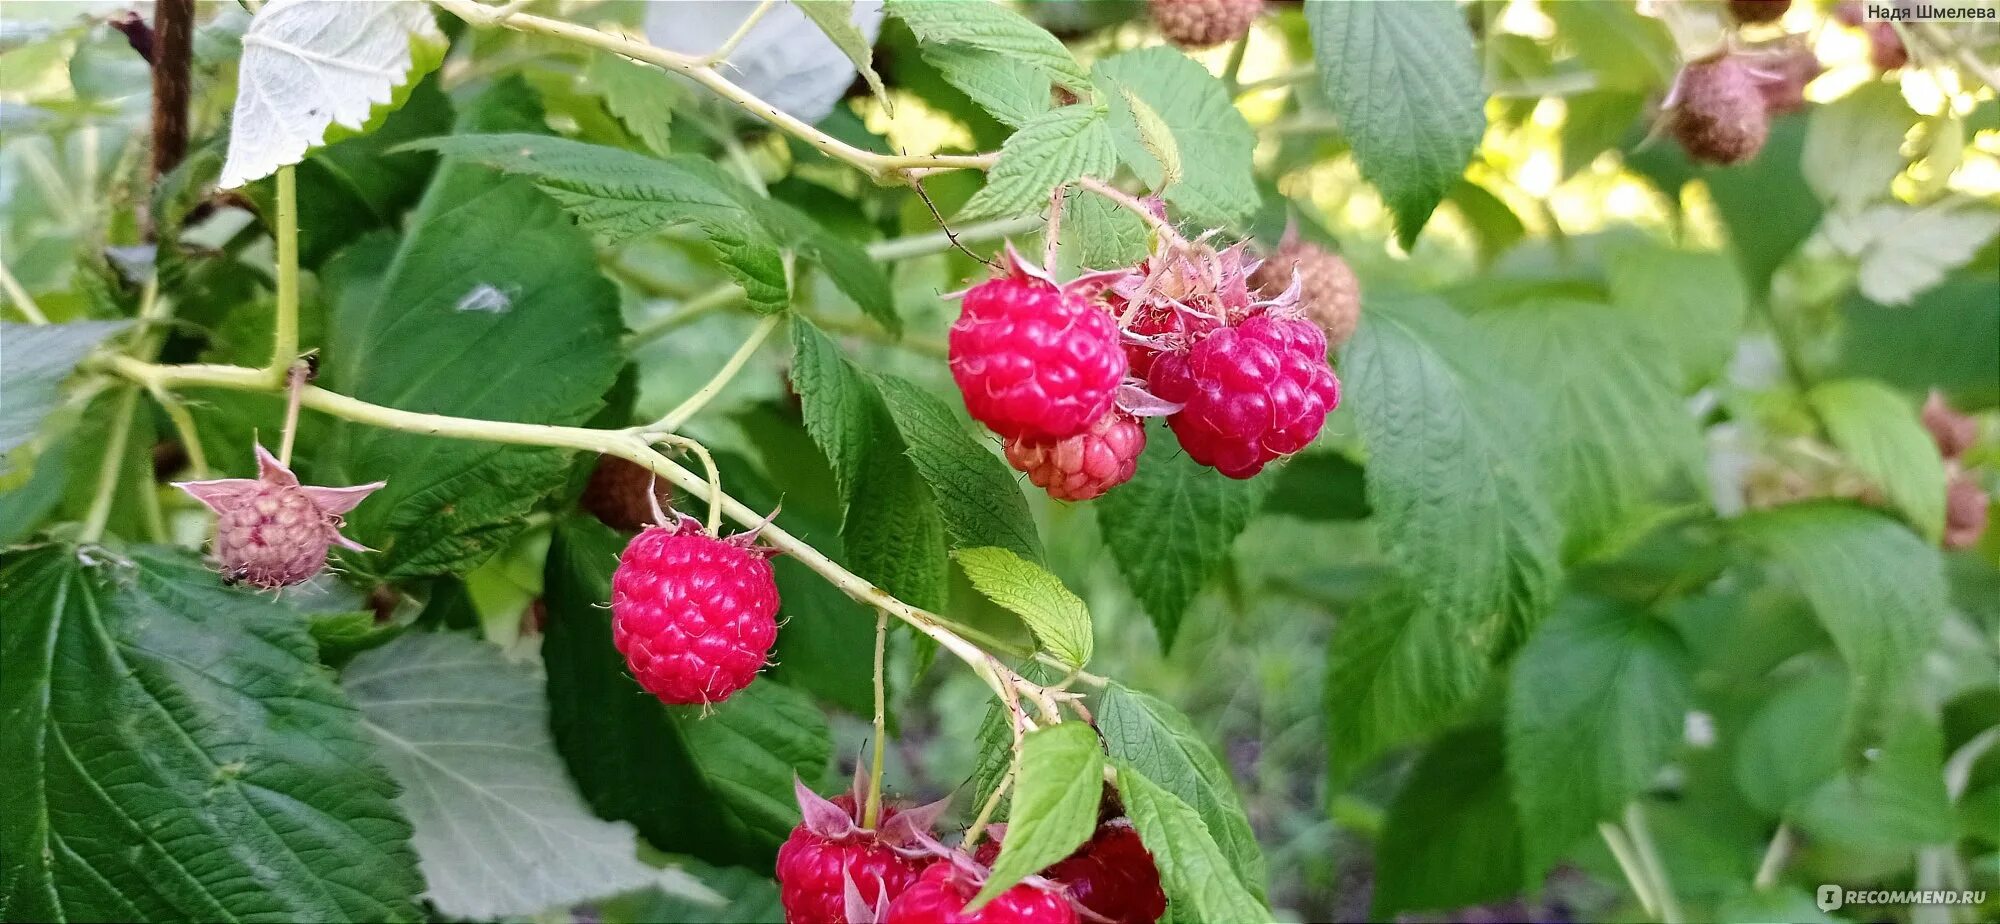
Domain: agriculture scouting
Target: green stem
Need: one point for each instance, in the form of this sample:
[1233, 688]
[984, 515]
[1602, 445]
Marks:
[18, 294]
[1628, 863]
[107, 471]
[695, 402]
[872, 811]
[1774, 858]
[1649, 857]
[897, 167]
[285, 336]
[628, 444]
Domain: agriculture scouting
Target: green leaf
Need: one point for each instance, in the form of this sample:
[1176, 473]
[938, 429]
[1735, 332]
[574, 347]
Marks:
[1894, 803]
[1628, 50]
[1693, 302]
[39, 358]
[977, 494]
[1883, 438]
[892, 532]
[1949, 338]
[618, 195]
[1100, 233]
[748, 895]
[1877, 588]
[1794, 742]
[314, 69]
[1199, 881]
[1462, 513]
[1055, 804]
[641, 97]
[341, 636]
[1854, 146]
[836, 19]
[500, 830]
[179, 754]
[996, 57]
[1056, 147]
[1597, 704]
[1155, 739]
[1319, 486]
[491, 307]
[1155, 137]
[718, 787]
[1214, 143]
[1627, 435]
[1171, 527]
[1904, 251]
[1403, 78]
[1058, 617]
[1764, 203]
[1453, 837]
[1782, 903]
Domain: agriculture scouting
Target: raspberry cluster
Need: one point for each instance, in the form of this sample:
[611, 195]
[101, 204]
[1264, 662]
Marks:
[1227, 351]
[1966, 503]
[834, 870]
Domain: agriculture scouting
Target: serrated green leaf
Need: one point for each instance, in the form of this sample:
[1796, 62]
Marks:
[1054, 148]
[976, 492]
[1596, 706]
[618, 195]
[1882, 437]
[1877, 588]
[1463, 515]
[993, 28]
[1058, 617]
[1171, 528]
[1055, 804]
[314, 69]
[1452, 837]
[1404, 80]
[892, 533]
[641, 97]
[1196, 875]
[1628, 435]
[718, 786]
[1155, 739]
[489, 268]
[341, 636]
[1692, 301]
[500, 830]
[1193, 109]
[39, 358]
[836, 19]
[178, 753]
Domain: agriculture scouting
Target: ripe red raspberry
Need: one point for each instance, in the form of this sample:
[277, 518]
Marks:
[1035, 358]
[940, 896]
[694, 615]
[1756, 11]
[1113, 875]
[272, 531]
[1719, 115]
[829, 850]
[623, 495]
[1253, 393]
[1329, 294]
[1203, 23]
[1086, 465]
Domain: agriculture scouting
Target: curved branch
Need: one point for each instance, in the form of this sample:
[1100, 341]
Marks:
[888, 167]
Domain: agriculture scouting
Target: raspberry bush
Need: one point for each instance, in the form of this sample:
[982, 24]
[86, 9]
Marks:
[971, 461]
